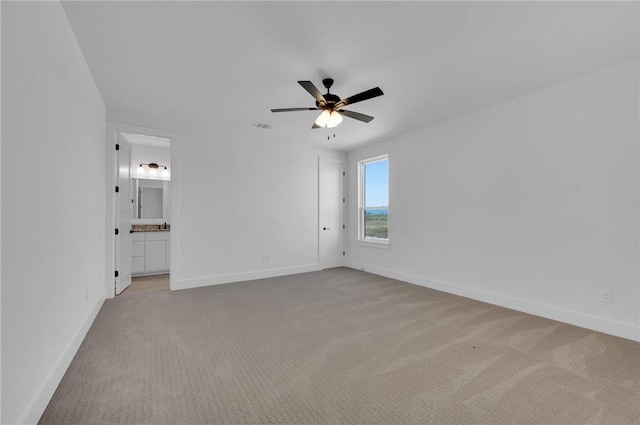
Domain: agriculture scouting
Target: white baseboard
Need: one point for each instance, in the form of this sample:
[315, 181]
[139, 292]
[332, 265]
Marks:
[42, 397]
[612, 327]
[239, 277]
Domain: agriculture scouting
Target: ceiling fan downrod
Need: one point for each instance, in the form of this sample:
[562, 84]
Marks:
[328, 82]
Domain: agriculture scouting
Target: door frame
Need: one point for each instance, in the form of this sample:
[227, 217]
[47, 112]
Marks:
[113, 129]
[342, 226]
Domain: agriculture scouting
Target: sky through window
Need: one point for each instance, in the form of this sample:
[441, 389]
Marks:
[377, 183]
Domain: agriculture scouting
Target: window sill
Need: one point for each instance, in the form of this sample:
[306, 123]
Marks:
[374, 244]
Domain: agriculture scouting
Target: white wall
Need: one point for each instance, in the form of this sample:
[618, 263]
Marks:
[53, 204]
[531, 203]
[0, 228]
[243, 194]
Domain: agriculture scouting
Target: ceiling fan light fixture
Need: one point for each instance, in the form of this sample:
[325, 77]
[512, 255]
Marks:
[329, 119]
[334, 119]
[323, 118]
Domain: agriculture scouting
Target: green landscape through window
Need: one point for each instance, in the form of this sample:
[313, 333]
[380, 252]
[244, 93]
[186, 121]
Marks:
[374, 207]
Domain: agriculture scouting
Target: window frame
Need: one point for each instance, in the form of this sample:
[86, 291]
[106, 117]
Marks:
[362, 239]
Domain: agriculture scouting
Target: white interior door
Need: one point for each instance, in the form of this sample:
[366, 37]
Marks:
[331, 212]
[123, 217]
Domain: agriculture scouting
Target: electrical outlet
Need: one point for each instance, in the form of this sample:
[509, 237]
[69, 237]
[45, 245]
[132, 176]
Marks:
[266, 258]
[606, 296]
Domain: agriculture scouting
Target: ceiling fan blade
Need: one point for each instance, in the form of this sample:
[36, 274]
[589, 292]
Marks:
[313, 90]
[356, 115]
[293, 109]
[365, 95]
[314, 126]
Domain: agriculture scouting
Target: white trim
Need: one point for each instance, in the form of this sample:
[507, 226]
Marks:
[41, 399]
[240, 277]
[600, 324]
[374, 244]
[0, 229]
[377, 158]
[174, 252]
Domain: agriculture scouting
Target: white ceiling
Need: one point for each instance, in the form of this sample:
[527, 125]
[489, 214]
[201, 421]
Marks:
[224, 65]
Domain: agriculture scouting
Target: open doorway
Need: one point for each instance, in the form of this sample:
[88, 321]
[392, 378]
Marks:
[141, 206]
[149, 209]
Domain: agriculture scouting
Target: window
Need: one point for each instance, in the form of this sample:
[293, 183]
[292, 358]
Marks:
[374, 200]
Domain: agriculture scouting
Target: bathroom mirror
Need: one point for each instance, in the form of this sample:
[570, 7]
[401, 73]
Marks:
[149, 199]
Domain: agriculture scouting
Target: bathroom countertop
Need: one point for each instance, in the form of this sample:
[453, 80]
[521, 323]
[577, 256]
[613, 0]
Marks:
[150, 228]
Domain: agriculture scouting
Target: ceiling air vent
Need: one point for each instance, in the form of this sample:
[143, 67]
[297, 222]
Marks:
[262, 125]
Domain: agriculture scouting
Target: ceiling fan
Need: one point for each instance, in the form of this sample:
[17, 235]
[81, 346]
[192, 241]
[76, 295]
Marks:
[331, 104]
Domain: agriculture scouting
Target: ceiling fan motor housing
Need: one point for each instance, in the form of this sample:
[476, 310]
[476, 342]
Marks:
[331, 99]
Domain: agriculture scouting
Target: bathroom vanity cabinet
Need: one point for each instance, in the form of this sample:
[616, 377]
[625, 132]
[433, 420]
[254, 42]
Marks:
[150, 253]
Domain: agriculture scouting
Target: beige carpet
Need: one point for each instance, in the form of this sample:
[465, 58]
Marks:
[340, 347]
